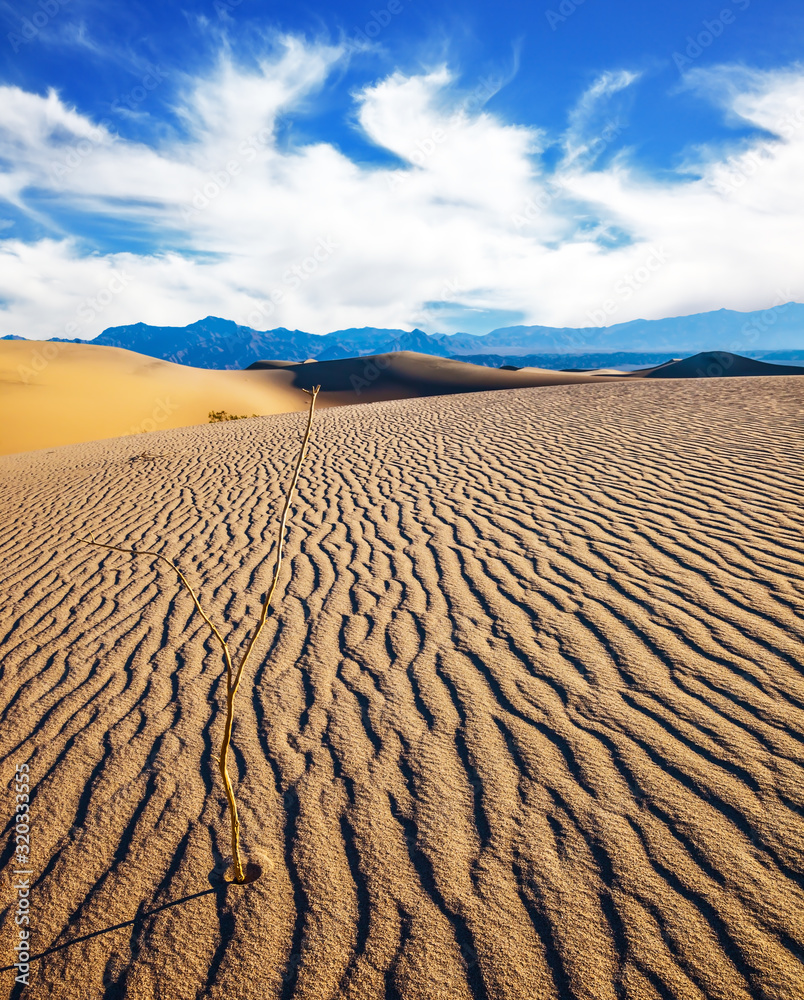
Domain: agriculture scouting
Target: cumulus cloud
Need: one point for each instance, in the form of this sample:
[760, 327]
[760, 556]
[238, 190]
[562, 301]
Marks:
[467, 221]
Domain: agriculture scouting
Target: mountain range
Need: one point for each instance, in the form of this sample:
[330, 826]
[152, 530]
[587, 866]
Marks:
[775, 334]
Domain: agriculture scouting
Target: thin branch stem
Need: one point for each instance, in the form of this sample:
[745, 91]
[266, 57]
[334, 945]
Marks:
[227, 731]
[157, 555]
[281, 541]
[232, 677]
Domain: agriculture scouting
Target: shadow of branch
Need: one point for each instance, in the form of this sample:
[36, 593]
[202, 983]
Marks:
[116, 927]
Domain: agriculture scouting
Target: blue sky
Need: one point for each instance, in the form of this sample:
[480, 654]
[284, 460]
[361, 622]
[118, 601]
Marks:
[396, 164]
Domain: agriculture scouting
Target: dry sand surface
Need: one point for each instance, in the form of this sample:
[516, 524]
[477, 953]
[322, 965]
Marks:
[55, 394]
[528, 721]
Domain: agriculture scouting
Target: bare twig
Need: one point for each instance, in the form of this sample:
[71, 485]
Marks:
[233, 676]
[158, 555]
[232, 687]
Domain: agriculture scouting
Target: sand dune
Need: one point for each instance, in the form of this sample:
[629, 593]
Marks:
[706, 364]
[406, 374]
[528, 722]
[718, 364]
[54, 394]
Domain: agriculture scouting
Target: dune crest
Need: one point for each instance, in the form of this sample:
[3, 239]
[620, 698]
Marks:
[56, 394]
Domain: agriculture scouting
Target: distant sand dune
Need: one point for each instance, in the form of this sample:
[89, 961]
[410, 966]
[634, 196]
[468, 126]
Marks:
[87, 392]
[528, 721]
[424, 375]
[54, 394]
[417, 375]
[718, 364]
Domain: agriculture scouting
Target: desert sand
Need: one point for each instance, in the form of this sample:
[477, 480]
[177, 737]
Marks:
[528, 721]
[55, 394]
[407, 374]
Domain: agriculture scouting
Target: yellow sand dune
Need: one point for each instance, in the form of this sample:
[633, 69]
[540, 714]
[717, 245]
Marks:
[55, 394]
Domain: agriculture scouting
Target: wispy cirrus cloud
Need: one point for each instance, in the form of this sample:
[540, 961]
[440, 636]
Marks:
[466, 223]
[592, 114]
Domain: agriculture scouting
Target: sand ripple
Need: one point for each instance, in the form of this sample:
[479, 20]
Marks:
[528, 721]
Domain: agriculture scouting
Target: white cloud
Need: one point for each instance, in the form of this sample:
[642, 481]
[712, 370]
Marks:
[345, 244]
[583, 136]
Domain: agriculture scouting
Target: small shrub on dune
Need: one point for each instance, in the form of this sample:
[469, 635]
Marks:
[219, 416]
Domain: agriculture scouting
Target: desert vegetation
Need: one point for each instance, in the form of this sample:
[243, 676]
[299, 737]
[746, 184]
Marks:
[221, 416]
[525, 720]
[234, 669]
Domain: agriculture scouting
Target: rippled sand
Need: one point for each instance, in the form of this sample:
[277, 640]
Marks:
[57, 394]
[528, 721]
